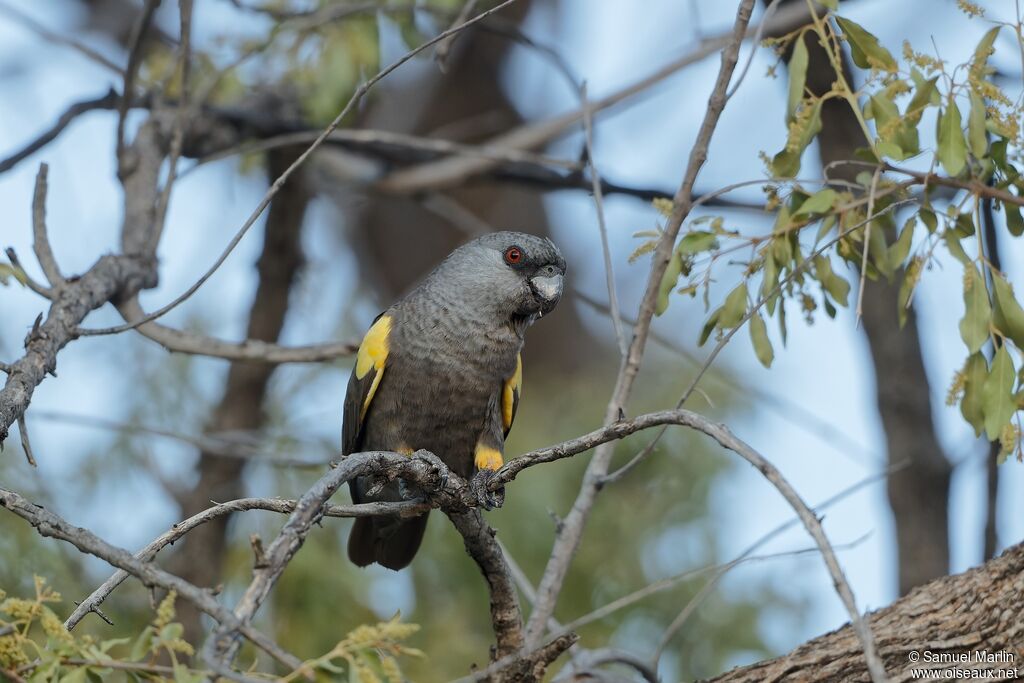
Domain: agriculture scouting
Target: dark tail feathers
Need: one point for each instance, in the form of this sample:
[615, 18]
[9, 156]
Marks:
[391, 543]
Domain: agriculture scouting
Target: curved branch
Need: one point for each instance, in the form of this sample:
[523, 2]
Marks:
[178, 530]
[248, 350]
[51, 525]
[725, 438]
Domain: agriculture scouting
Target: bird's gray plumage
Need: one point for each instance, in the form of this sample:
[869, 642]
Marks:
[454, 341]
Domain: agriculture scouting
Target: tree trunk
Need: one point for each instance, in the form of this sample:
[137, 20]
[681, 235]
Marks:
[974, 612]
[200, 558]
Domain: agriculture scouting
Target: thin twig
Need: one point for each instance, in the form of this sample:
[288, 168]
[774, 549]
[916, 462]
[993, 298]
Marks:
[40, 240]
[135, 44]
[37, 287]
[108, 101]
[179, 530]
[180, 123]
[572, 526]
[727, 337]
[256, 350]
[867, 241]
[25, 445]
[445, 46]
[227, 445]
[49, 35]
[51, 525]
[356, 97]
[595, 179]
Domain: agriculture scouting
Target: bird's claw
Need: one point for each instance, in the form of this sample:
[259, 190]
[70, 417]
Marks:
[440, 469]
[487, 499]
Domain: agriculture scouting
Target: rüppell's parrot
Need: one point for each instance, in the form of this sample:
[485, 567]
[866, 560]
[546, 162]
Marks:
[440, 370]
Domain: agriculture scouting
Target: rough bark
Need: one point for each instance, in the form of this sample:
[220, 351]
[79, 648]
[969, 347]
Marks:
[918, 494]
[977, 611]
[200, 560]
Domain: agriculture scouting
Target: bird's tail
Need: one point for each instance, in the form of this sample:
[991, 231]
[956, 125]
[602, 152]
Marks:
[389, 542]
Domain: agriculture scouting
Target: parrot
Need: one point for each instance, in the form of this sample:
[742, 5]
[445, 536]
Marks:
[441, 370]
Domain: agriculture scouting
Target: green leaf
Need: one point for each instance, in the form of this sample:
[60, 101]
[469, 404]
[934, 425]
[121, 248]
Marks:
[668, 282]
[1008, 315]
[866, 50]
[837, 287]
[984, 48]
[974, 326]
[819, 202]
[769, 279]
[950, 137]
[8, 271]
[900, 249]
[953, 244]
[926, 94]
[826, 226]
[997, 395]
[878, 248]
[797, 76]
[971, 406]
[759, 338]
[928, 217]
[141, 646]
[831, 4]
[734, 308]
[911, 276]
[786, 163]
[1014, 222]
[976, 134]
[696, 242]
[898, 135]
[709, 326]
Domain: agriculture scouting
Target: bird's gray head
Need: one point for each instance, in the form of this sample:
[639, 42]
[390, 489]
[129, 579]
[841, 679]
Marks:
[511, 274]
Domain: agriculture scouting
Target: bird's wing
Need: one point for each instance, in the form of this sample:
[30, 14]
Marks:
[510, 396]
[366, 375]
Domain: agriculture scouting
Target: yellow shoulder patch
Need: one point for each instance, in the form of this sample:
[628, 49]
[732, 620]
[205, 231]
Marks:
[513, 390]
[487, 458]
[372, 355]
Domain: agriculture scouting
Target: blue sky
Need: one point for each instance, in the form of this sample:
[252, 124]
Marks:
[825, 367]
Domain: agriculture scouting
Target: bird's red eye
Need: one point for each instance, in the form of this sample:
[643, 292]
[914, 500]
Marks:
[513, 255]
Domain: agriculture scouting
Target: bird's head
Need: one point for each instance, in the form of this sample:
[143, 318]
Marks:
[511, 274]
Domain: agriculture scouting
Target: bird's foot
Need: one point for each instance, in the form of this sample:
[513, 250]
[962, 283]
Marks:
[440, 469]
[486, 498]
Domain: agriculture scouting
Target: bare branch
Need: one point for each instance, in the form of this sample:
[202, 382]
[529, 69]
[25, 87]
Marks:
[572, 527]
[277, 184]
[506, 615]
[108, 101]
[447, 173]
[50, 525]
[228, 445]
[41, 242]
[445, 46]
[58, 39]
[249, 350]
[25, 445]
[177, 531]
[131, 70]
[595, 179]
[37, 287]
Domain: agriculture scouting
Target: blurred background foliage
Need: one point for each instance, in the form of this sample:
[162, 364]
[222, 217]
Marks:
[181, 431]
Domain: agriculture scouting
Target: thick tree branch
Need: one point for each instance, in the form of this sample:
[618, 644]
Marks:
[974, 612]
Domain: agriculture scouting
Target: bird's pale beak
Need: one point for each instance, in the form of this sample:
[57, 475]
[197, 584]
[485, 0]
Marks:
[549, 289]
